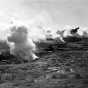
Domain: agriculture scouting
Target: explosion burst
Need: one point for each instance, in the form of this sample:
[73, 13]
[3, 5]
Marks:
[22, 38]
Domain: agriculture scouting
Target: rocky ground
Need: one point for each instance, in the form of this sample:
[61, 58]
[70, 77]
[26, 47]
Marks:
[59, 66]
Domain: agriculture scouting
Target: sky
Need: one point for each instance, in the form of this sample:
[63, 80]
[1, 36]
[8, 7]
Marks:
[45, 12]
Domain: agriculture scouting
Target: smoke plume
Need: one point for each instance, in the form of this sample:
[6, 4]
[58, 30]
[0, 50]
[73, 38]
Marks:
[23, 45]
[22, 38]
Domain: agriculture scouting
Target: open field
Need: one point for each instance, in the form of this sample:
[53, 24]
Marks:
[66, 67]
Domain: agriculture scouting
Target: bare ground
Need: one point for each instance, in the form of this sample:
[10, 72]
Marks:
[63, 68]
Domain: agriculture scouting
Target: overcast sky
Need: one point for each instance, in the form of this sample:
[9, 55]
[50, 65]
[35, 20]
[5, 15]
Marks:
[60, 12]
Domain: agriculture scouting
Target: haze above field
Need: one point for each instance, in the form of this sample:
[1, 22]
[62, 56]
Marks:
[49, 12]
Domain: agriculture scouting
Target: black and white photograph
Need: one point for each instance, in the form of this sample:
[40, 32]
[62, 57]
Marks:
[43, 43]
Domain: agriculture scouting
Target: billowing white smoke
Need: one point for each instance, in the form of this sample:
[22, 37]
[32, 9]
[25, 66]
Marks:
[21, 38]
[4, 31]
[37, 33]
[53, 32]
[67, 30]
[83, 31]
[23, 45]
